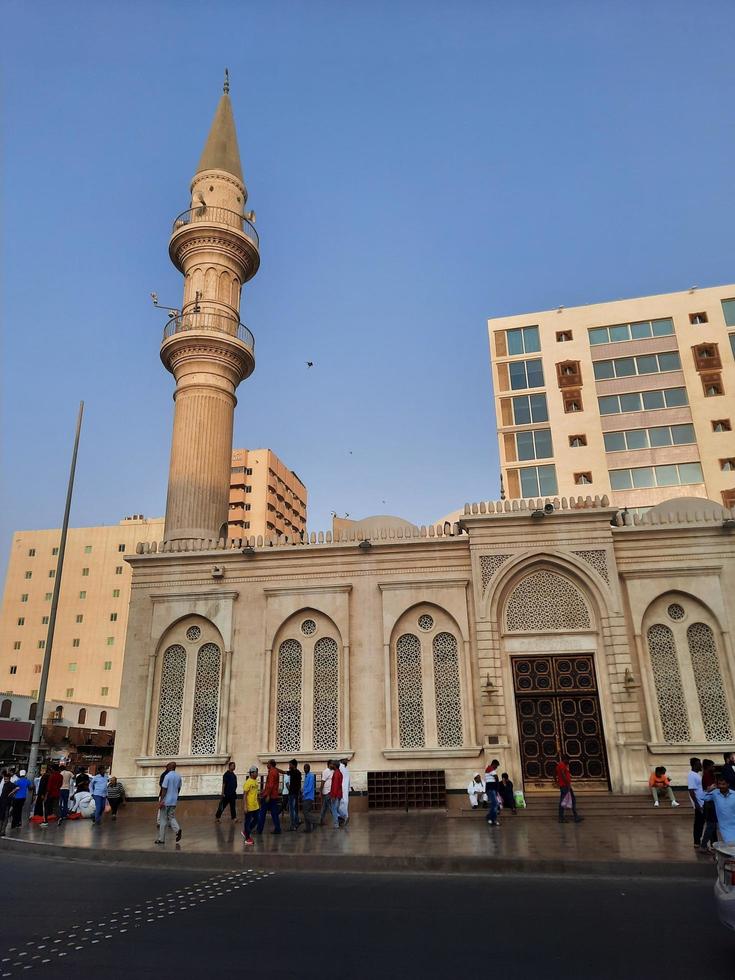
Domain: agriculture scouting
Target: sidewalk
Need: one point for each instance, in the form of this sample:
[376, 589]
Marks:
[417, 842]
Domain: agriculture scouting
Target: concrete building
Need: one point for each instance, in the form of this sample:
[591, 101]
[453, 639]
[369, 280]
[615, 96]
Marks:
[266, 497]
[419, 654]
[634, 399]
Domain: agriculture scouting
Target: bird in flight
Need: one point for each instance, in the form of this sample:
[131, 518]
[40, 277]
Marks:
[310, 364]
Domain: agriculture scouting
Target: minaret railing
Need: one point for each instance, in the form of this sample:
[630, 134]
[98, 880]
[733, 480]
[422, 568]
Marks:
[215, 322]
[218, 216]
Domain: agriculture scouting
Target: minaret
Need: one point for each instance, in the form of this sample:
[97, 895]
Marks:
[206, 348]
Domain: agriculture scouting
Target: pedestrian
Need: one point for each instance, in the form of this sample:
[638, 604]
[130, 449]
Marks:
[507, 796]
[24, 786]
[308, 792]
[709, 782]
[294, 792]
[696, 795]
[326, 788]
[250, 804]
[115, 795]
[8, 790]
[476, 791]
[40, 783]
[229, 793]
[335, 793]
[53, 794]
[491, 784]
[81, 780]
[567, 799]
[98, 788]
[269, 801]
[724, 800]
[344, 807]
[64, 792]
[658, 783]
[168, 798]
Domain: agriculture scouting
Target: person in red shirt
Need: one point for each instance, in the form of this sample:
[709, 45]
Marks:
[53, 792]
[270, 799]
[564, 782]
[335, 793]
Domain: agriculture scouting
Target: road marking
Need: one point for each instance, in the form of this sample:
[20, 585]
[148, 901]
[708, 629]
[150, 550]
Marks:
[147, 911]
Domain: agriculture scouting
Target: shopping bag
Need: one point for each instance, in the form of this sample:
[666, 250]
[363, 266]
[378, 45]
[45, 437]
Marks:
[566, 801]
[520, 800]
[108, 808]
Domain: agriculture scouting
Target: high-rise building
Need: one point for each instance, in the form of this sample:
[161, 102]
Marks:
[634, 399]
[266, 497]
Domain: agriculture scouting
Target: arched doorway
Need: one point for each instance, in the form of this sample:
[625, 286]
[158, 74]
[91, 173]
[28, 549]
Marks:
[550, 638]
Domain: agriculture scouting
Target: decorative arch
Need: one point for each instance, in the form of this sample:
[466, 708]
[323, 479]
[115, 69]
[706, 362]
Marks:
[544, 600]
[428, 681]
[685, 666]
[308, 703]
[188, 682]
[5, 708]
[33, 708]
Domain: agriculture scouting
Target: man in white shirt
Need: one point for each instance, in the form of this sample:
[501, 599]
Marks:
[167, 800]
[476, 790]
[344, 806]
[696, 795]
[326, 788]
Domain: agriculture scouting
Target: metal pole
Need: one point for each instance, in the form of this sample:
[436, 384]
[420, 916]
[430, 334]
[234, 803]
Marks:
[41, 702]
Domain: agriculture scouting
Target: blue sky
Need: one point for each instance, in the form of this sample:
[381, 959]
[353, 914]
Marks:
[415, 167]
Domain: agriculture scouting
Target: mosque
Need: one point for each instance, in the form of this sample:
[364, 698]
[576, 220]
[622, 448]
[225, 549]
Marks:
[518, 630]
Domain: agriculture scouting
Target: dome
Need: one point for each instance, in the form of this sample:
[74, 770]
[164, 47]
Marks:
[683, 507]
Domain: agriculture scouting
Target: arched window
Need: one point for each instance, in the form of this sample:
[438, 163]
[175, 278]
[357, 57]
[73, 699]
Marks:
[103, 719]
[171, 701]
[427, 679]
[544, 601]
[32, 711]
[306, 702]
[691, 693]
[5, 708]
[206, 701]
[82, 716]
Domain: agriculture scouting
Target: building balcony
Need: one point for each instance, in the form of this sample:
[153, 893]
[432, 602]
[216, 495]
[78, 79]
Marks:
[206, 322]
[207, 227]
[217, 216]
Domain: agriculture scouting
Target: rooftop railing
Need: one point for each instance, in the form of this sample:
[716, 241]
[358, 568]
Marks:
[209, 321]
[218, 216]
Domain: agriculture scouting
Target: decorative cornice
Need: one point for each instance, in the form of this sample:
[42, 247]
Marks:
[438, 583]
[306, 590]
[198, 594]
[462, 752]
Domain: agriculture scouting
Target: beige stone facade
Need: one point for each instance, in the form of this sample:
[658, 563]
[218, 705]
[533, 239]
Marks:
[634, 398]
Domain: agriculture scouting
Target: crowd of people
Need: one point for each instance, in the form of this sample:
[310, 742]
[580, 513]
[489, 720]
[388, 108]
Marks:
[713, 799]
[494, 790]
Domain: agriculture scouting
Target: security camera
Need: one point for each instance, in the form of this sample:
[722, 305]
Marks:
[548, 508]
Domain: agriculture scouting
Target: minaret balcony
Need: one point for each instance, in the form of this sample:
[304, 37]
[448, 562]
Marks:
[217, 216]
[206, 322]
[232, 227]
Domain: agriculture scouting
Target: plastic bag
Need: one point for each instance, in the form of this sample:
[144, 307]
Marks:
[566, 801]
[519, 799]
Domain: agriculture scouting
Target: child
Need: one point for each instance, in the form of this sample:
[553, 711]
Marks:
[505, 791]
[659, 782]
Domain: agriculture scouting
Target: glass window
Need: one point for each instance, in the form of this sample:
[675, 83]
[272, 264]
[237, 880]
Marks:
[647, 364]
[630, 402]
[88, 549]
[690, 473]
[639, 331]
[618, 333]
[676, 397]
[643, 477]
[653, 399]
[603, 370]
[682, 434]
[526, 374]
[518, 378]
[624, 367]
[614, 442]
[637, 438]
[547, 480]
[609, 405]
[524, 445]
[667, 476]
[521, 410]
[598, 335]
[663, 328]
[515, 341]
[660, 436]
[108, 665]
[544, 447]
[732, 342]
[524, 340]
[539, 411]
[669, 361]
[535, 374]
[728, 311]
[620, 479]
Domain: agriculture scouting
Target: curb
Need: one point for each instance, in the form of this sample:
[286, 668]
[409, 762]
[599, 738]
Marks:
[366, 863]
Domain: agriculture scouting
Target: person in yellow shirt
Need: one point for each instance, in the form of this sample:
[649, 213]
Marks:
[250, 793]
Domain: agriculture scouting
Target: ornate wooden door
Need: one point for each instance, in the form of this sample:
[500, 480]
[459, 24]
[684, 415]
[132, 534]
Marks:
[559, 711]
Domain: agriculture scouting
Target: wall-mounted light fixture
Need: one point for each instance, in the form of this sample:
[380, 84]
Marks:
[629, 681]
[488, 687]
[365, 545]
[249, 551]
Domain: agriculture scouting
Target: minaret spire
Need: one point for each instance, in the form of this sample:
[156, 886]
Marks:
[221, 151]
[226, 86]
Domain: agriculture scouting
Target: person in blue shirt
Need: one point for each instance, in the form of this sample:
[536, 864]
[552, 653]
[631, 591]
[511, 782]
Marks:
[19, 800]
[308, 792]
[724, 800]
[98, 789]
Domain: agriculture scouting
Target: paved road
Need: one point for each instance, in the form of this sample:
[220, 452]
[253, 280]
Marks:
[73, 918]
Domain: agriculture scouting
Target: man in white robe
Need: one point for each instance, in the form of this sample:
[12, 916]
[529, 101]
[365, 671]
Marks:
[476, 790]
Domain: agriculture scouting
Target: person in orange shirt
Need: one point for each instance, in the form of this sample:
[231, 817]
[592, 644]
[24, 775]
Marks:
[659, 782]
[270, 799]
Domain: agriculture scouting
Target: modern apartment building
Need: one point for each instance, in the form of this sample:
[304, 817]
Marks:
[266, 497]
[633, 398]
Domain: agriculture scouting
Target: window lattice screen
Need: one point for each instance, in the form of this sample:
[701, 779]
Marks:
[171, 701]
[707, 676]
[206, 701]
[410, 693]
[546, 601]
[288, 697]
[667, 679]
[326, 693]
[447, 690]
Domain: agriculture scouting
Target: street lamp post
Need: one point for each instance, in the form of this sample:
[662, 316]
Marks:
[41, 702]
